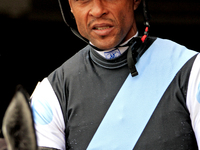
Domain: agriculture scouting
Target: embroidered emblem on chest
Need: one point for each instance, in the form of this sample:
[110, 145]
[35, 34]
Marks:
[112, 54]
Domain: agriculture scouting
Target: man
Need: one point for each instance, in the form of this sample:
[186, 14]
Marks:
[122, 91]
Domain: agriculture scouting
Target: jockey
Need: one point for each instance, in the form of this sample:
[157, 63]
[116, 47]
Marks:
[122, 91]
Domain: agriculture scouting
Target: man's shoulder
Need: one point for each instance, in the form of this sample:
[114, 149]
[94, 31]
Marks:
[171, 48]
[78, 57]
[73, 64]
[167, 43]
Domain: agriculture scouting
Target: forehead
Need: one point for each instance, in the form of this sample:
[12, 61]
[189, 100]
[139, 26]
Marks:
[113, 2]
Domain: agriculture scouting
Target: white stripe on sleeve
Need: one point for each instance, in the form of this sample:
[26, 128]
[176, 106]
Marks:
[48, 117]
[193, 98]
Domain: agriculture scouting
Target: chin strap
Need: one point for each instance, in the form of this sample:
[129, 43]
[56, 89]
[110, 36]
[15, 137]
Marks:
[136, 49]
[78, 35]
[132, 57]
[146, 32]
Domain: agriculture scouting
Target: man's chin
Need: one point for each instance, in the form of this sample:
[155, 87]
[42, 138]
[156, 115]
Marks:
[104, 45]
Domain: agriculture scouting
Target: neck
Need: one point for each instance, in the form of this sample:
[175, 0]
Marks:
[116, 51]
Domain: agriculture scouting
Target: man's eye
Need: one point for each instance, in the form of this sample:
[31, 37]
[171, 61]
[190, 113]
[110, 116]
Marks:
[82, 0]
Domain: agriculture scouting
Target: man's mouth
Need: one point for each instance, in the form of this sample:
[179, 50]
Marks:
[101, 28]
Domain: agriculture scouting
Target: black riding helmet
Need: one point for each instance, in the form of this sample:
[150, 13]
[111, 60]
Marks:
[70, 21]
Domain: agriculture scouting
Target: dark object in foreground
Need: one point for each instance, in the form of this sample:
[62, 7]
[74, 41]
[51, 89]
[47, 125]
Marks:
[18, 126]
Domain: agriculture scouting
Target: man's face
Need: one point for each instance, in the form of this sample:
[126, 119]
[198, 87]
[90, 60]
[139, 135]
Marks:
[105, 23]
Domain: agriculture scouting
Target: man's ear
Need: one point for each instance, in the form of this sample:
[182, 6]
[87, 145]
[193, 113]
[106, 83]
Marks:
[69, 1]
[136, 3]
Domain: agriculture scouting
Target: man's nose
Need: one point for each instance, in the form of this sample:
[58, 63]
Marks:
[98, 9]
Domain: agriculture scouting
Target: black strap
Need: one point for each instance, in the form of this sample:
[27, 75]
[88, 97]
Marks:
[135, 51]
[131, 60]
